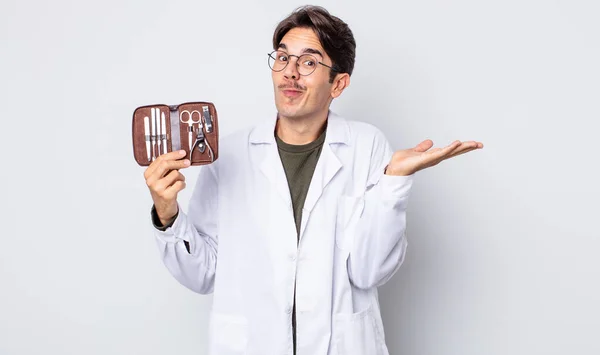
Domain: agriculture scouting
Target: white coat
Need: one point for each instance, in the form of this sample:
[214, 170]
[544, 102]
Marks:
[243, 244]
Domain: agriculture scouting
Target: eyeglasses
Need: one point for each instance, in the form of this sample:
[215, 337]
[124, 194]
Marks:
[306, 63]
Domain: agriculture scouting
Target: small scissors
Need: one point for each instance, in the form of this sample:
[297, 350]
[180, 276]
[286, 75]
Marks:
[200, 141]
[190, 122]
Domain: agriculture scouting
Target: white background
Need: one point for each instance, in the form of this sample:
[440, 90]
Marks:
[503, 243]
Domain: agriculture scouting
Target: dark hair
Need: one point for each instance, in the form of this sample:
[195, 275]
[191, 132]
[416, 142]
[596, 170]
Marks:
[333, 33]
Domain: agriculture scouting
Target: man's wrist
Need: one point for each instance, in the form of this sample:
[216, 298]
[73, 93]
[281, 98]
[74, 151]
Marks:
[161, 224]
[392, 172]
[169, 221]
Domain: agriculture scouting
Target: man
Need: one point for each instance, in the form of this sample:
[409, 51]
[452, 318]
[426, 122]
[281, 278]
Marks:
[301, 218]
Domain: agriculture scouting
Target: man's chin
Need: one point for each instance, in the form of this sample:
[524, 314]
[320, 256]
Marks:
[288, 111]
[288, 114]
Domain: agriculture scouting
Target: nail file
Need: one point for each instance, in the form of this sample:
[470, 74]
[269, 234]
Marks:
[161, 129]
[147, 133]
[164, 132]
[153, 114]
[158, 133]
[190, 136]
[158, 140]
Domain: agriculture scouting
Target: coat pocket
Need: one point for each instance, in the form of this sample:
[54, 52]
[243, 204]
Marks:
[349, 211]
[228, 334]
[358, 334]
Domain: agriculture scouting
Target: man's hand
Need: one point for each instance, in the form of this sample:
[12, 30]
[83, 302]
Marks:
[164, 181]
[409, 161]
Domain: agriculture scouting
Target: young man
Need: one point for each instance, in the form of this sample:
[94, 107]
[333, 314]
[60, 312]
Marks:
[301, 218]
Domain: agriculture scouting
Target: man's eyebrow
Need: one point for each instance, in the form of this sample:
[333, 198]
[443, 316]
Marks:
[312, 51]
[305, 50]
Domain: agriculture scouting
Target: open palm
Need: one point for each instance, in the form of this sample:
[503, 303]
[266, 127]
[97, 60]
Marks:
[409, 161]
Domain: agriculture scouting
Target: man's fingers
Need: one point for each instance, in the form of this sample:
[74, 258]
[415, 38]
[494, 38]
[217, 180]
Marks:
[174, 189]
[164, 167]
[440, 153]
[172, 177]
[457, 147]
[431, 157]
[423, 146]
[457, 153]
[162, 160]
[435, 156]
[171, 156]
[465, 148]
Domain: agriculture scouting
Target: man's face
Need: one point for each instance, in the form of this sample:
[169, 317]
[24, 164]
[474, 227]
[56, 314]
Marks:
[296, 96]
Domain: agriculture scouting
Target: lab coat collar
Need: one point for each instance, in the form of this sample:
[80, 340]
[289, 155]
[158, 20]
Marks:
[337, 131]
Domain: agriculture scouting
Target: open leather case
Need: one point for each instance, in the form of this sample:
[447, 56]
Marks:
[191, 126]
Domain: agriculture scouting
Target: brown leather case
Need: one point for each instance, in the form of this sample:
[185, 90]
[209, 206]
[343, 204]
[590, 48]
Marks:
[191, 126]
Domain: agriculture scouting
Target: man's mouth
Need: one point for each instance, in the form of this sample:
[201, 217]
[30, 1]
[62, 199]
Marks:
[291, 90]
[291, 93]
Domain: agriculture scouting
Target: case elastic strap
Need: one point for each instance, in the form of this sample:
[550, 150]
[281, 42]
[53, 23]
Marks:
[175, 138]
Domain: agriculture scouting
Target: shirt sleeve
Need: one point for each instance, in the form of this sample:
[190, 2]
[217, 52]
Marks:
[378, 237]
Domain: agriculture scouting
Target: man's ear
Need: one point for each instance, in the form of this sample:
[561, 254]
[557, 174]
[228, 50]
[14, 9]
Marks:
[340, 82]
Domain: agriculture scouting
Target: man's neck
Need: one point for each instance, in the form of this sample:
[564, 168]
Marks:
[299, 131]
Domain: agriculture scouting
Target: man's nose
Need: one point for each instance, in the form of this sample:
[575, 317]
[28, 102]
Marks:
[291, 70]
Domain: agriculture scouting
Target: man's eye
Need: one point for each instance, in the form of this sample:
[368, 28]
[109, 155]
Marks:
[309, 63]
[282, 58]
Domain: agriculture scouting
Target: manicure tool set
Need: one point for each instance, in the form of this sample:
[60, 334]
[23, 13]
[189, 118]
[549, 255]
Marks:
[159, 129]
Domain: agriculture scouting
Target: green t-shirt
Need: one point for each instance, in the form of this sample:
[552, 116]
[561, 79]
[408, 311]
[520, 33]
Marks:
[299, 162]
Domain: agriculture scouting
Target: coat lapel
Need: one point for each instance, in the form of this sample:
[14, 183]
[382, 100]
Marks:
[272, 167]
[262, 140]
[328, 165]
[263, 137]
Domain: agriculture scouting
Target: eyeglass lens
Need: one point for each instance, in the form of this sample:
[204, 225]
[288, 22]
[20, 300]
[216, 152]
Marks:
[278, 60]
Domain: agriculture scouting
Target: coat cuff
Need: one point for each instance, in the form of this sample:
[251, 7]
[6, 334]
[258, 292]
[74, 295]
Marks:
[173, 231]
[156, 220]
[396, 189]
[397, 186]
